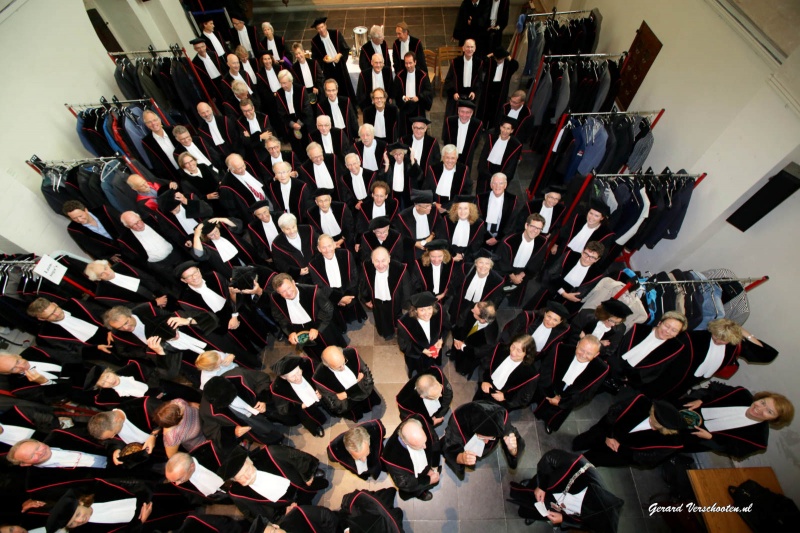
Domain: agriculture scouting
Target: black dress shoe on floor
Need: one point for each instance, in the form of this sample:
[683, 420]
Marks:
[425, 496]
[319, 473]
[319, 432]
[548, 429]
[529, 521]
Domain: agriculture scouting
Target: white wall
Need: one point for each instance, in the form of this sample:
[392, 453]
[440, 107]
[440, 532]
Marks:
[727, 114]
[67, 65]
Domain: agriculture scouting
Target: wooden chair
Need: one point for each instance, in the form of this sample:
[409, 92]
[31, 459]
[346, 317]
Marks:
[433, 67]
[445, 55]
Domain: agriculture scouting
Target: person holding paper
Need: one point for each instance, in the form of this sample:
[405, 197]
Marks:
[569, 492]
[474, 431]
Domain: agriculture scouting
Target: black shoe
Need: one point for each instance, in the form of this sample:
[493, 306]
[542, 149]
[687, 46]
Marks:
[548, 429]
[529, 521]
[425, 496]
[319, 432]
[320, 473]
[388, 337]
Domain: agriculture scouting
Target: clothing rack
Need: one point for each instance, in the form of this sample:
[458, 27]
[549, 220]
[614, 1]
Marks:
[37, 164]
[752, 283]
[554, 12]
[578, 56]
[534, 185]
[174, 49]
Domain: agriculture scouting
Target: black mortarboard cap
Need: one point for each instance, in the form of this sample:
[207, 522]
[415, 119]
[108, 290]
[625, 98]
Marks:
[183, 267]
[437, 244]
[667, 415]
[466, 102]
[600, 207]
[324, 192]
[286, 364]
[398, 146]
[219, 392]
[553, 188]
[420, 119]
[258, 205]
[197, 41]
[133, 455]
[422, 196]
[193, 208]
[62, 512]
[234, 461]
[92, 376]
[464, 198]
[165, 331]
[485, 254]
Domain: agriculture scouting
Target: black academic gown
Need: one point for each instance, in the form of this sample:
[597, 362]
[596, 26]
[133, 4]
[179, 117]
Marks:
[366, 53]
[361, 397]
[520, 387]
[289, 259]
[337, 71]
[246, 254]
[450, 136]
[553, 368]
[508, 165]
[535, 206]
[229, 131]
[553, 280]
[307, 175]
[527, 322]
[523, 118]
[380, 150]
[258, 237]
[585, 322]
[645, 449]
[699, 341]
[315, 301]
[414, 45]
[574, 225]
[339, 454]
[340, 143]
[289, 405]
[93, 244]
[347, 108]
[478, 347]
[317, 75]
[412, 176]
[348, 271]
[265, 163]
[373, 511]
[422, 279]
[365, 85]
[160, 161]
[495, 93]
[210, 457]
[600, 508]
[300, 197]
[290, 463]
[406, 224]
[219, 424]
[345, 186]
[210, 84]
[236, 197]
[343, 216]
[398, 464]
[364, 216]
[408, 109]
[412, 340]
[393, 244]
[477, 236]
[411, 403]
[302, 115]
[454, 83]
[390, 120]
[507, 250]
[484, 418]
[505, 227]
[386, 313]
[735, 442]
[460, 308]
[430, 150]
[69, 384]
[51, 335]
[461, 184]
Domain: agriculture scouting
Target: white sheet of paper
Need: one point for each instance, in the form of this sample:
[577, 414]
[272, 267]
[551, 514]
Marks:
[50, 269]
[475, 445]
[541, 507]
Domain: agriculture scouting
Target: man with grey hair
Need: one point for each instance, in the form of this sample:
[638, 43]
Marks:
[359, 449]
[159, 147]
[125, 284]
[385, 286]
[411, 456]
[288, 195]
[379, 75]
[376, 45]
[274, 44]
[427, 395]
[141, 243]
[333, 140]
[369, 149]
[321, 170]
[294, 111]
[497, 208]
[196, 474]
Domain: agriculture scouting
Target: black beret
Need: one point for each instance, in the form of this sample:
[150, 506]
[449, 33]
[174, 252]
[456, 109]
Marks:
[205, 17]
[500, 52]
[62, 512]
[258, 205]
[192, 208]
[397, 146]
[423, 299]
[286, 364]
[92, 376]
[379, 222]
[508, 120]
[667, 415]
[183, 267]
[601, 208]
[233, 463]
[324, 192]
[616, 308]
[262, 53]
[133, 455]
[197, 41]
[553, 188]
[167, 202]
[437, 244]
[243, 277]
[238, 15]
[318, 21]
[557, 308]
[424, 196]
[466, 102]
[420, 119]
[464, 198]
[219, 392]
[483, 253]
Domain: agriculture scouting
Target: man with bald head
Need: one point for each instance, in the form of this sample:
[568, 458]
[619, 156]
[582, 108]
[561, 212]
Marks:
[240, 188]
[235, 73]
[427, 395]
[159, 146]
[196, 474]
[333, 140]
[142, 244]
[346, 383]
[385, 286]
[411, 456]
[463, 80]
[287, 194]
[378, 74]
[221, 132]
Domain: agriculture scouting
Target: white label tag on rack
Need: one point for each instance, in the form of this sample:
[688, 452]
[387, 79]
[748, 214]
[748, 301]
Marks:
[558, 139]
[50, 269]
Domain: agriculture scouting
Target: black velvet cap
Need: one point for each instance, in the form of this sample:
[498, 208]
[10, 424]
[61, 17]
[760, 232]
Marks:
[617, 308]
[500, 52]
[437, 244]
[601, 208]
[167, 202]
[557, 308]
[464, 198]
[423, 299]
[219, 392]
[420, 119]
[508, 120]
[208, 227]
[62, 512]
[183, 267]
[422, 196]
[244, 277]
[258, 205]
[286, 364]
[192, 208]
[379, 222]
[165, 331]
[667, 415]
[465, 102]
[92, 376]
[398, 146]
[324, 192]
[318, 21]
[485, 254]
[133, 455]
[197, 41]
[233, 463]
[553, 188]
